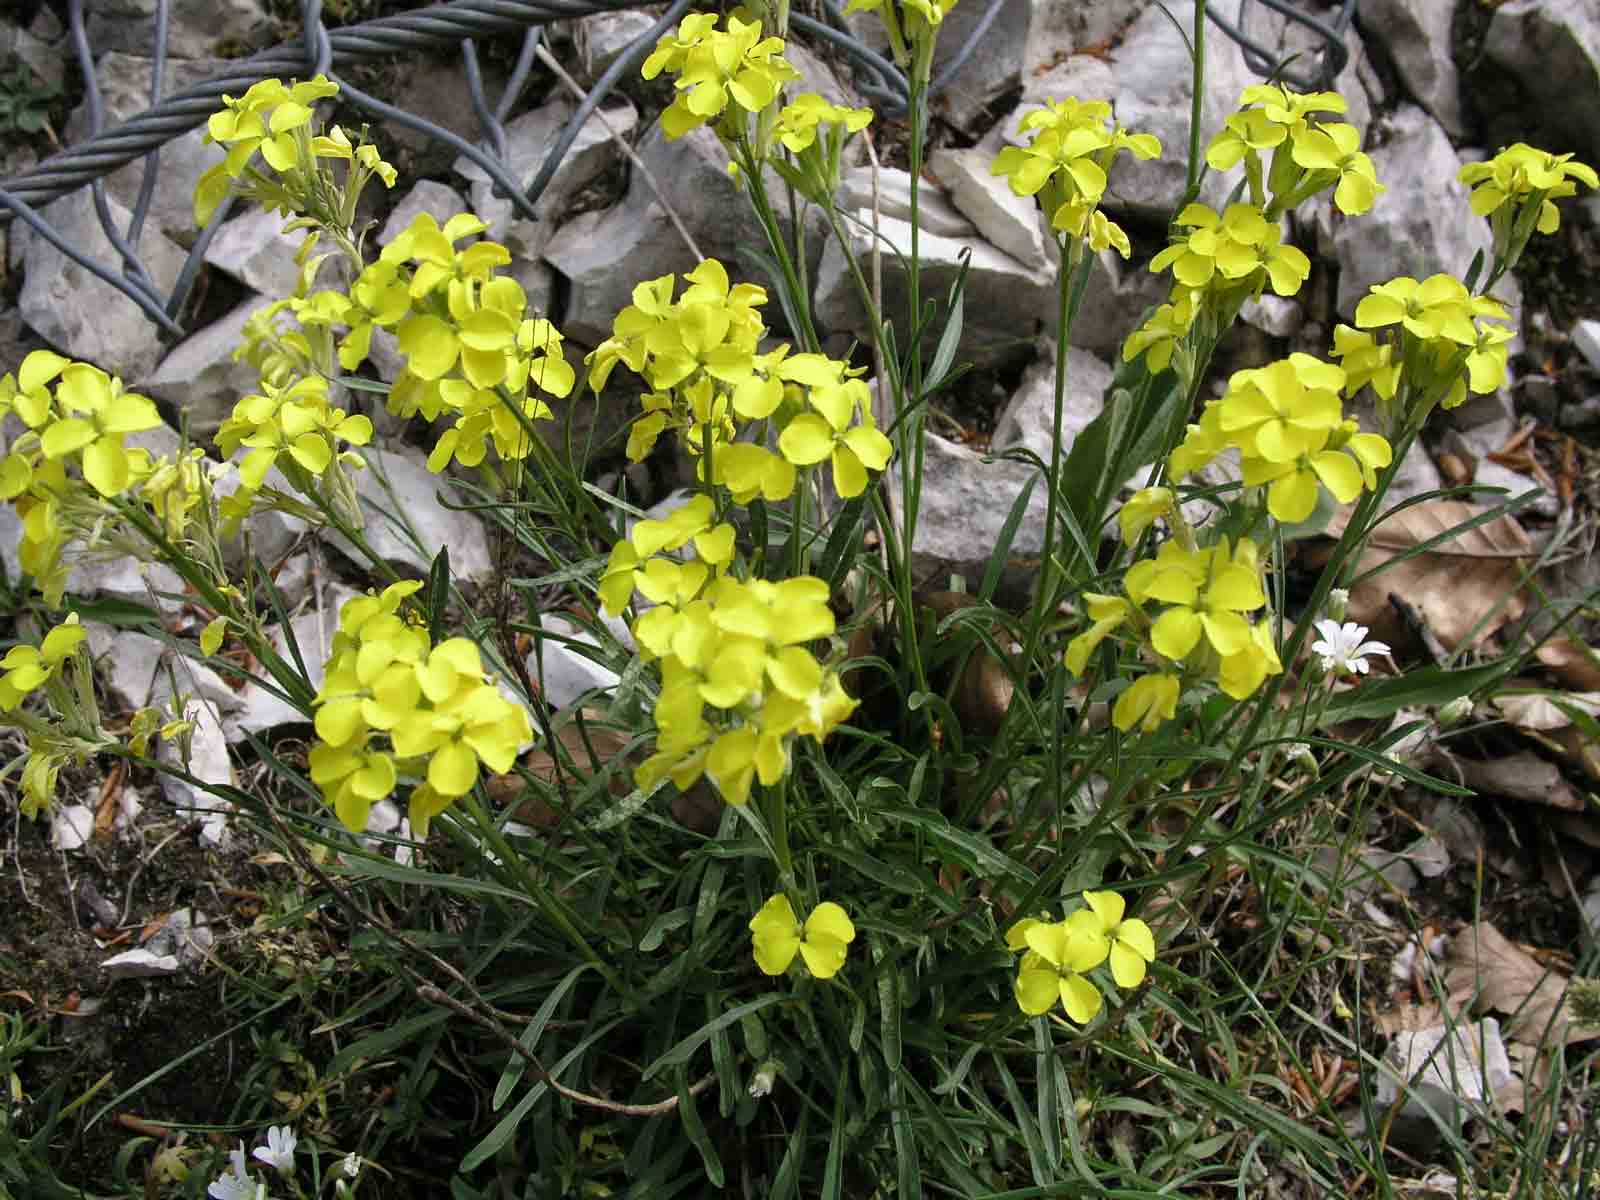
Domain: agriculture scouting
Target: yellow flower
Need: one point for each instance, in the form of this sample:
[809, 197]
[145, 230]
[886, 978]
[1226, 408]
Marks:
[1058, 955]
[1132, 944]
[1148, 701]
[1109, 614]
[777, 936]
[98, 414]
[1337, 148]
[1207, 601]
[29, 667]
[798, 120]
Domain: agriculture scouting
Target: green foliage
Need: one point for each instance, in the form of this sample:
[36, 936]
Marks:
[847, 887]
[26, 101]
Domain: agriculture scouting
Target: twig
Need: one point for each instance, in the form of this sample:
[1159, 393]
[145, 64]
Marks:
[480, 1011]
[127, 904]
[435, 996]
[572, 84]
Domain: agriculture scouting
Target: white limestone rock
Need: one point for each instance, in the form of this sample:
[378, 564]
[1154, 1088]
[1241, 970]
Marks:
[1028, 420]
[253, 248]
[1552, 47]
[1456, 1071]
[80, 315]
[569, 673]
[603, 255]
[1420, 225]
[934, 208]
[1012, 223]
[439, 200]
[200, 380]
[195, 28]
[406, 525]
[603, 37]
[1006, 302]
[1416, 34]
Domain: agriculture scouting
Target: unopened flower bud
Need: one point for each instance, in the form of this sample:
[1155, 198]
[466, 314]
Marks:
[1302, 757]
[766, 1075]
[1338, 603]
[1457, 711]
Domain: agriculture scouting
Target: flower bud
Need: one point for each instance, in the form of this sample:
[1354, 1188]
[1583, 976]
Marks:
[766, 1075]
[1338, 603]
[1457, 711]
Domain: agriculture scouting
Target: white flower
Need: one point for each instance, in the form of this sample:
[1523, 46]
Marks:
[278, 1153]
[237, 1184]
[1342, 649]
[351, 1165]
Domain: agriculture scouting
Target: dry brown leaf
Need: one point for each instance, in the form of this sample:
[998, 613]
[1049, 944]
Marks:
[1521, 776]
[1580, 827]
[1482, 962]
[1542, 711]
[1410, 1018]
[1452, 586]
[1576, 665]
[1579, 749]
[984, 691]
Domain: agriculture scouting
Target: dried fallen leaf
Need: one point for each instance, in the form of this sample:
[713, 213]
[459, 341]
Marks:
[984, 691]
[1576, 665]
[1471, 577]
[1489, 971]
[1410, 1018]
[1541, 711]
[1521, 776]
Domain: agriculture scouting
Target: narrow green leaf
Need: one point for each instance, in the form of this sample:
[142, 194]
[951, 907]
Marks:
[1002, 546]
[681, 1052]
[1425, 687]
[695, 1128]
[514, 1070]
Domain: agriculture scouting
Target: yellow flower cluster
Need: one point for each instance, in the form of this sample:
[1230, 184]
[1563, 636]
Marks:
[1519, 187]
[441, 714]
[277, 120]
[1201, 628]
[296, 426]
[77, 427]
[1220, 259]
[1445, 340]
[1057, 956]
[1066, 164]
[1307, 155]
[737, 680]
[1287, 421]
[699, 354]
[715, 66]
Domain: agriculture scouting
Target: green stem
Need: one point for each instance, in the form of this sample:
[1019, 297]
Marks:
[1196, 108]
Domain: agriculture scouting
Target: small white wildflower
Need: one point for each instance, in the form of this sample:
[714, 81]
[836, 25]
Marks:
[1342, 649]
[278, 1153]
[351, 1165]
[236, 1184]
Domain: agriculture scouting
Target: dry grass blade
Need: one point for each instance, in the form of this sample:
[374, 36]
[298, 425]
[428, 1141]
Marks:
[1482, 962]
